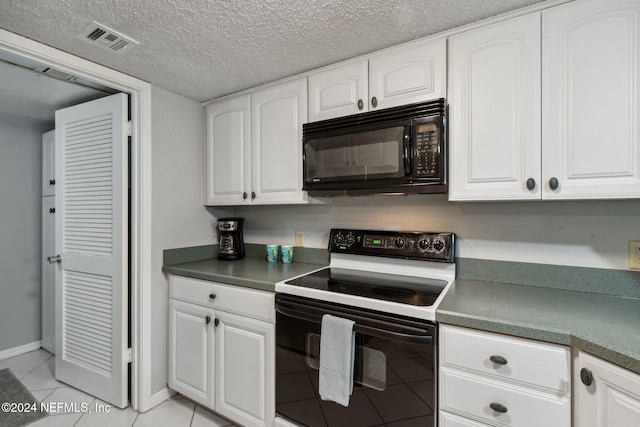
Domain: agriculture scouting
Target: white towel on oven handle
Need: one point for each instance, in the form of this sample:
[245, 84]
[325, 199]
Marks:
[337, 349]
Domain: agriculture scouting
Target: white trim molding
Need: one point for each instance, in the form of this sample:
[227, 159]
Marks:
[15, 351]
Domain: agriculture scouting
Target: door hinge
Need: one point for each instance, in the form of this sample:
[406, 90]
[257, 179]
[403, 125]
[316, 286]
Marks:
[129, 128]
[129, 355]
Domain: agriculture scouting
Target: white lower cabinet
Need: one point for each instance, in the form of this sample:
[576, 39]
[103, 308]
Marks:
[222, 347]
[493, 379]
[245, 390]
[192, 348]
[612, 396]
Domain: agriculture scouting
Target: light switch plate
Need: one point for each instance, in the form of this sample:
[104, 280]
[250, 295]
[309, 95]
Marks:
[634, 254]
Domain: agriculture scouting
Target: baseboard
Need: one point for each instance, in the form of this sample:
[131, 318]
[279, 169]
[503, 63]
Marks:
[10, 352]
[158, 398]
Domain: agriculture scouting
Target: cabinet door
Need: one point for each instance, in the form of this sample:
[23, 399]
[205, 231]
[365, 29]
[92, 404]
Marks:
[191, 351]
[591, 99]
[408, 74]
[228, 152]
[339, 91]
[48, 163]
[494, 96]
[277, 114]
[246, 370]
[48, 274]
[612, 399]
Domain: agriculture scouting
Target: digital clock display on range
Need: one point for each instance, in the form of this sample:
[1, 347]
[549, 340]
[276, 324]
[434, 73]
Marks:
[376, 242]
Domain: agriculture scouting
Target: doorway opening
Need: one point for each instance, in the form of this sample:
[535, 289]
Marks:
[140, 271]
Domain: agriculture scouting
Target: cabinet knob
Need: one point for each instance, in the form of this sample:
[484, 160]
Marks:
[360, 104]
[212, 296]
[498, 407]
[531, 184]
[216, 322]
[207, 319]
[374, 102]
[553, 183]
[498, 360]
[52, 210]
[586, 376]
[244, 195]
[253, 195]
[52, 182]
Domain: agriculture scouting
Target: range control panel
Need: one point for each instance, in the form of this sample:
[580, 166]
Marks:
[410, 245]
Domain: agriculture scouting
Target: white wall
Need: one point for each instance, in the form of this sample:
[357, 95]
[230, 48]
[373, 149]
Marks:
[586, 233]
[179, 216]
[20, 231]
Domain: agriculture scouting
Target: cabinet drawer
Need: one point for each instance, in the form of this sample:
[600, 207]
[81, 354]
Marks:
[233, 299]
[531, 363]
[471, 396]
[449, 420]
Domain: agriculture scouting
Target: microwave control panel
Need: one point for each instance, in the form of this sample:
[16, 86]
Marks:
[426, 150]
[410, 245]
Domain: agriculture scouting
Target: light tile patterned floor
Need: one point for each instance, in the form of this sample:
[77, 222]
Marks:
[36, 371]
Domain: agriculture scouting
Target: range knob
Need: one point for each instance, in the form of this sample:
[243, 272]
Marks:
[350, 239]
[438, 245]
[338, 239]
[343, 241]
[424, 244]
[400, 242]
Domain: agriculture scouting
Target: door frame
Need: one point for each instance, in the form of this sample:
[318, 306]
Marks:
[140, 97]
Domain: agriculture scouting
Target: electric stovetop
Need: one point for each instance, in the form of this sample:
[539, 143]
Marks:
[410, 290]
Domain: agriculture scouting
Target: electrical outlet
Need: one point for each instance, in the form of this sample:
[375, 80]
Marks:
[634, 254]
[299, 238]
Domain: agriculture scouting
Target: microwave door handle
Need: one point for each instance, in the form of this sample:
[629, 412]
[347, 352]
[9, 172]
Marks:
[406, 146]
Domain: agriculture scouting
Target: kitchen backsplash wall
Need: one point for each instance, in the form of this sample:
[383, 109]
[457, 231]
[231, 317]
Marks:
[574, 233]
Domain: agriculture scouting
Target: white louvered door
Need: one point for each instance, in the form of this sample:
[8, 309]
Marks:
[92, 242]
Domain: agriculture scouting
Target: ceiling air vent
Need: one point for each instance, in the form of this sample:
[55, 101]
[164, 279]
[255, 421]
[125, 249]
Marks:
[104, 37]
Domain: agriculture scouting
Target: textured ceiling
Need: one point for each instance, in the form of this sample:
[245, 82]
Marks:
[203, 49]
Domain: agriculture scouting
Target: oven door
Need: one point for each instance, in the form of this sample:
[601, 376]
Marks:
[394, 378]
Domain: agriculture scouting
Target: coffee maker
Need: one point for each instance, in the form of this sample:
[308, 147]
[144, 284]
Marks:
[231, 242]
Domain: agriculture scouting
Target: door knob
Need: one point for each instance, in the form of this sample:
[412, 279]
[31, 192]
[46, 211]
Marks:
[54, 259]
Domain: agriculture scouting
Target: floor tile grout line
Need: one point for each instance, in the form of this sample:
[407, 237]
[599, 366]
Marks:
[193, 415]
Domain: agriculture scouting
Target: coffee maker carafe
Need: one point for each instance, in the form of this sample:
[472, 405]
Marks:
[231, 242]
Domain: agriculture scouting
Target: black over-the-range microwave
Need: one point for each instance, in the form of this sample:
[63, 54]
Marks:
[395, 150]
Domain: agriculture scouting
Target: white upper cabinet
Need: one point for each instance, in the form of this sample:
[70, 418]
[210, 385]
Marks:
[48, 163]
[228, 151]
[254, 147]
[591, 93]
[277, 115]
[569, 132]
[412, 73]
[339, 91]
[494, 111]
[408, 74]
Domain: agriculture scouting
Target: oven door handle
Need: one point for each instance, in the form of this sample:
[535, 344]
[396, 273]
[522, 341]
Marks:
[377, 328]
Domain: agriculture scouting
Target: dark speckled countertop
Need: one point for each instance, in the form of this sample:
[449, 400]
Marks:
[606, 326]
[252, 271]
